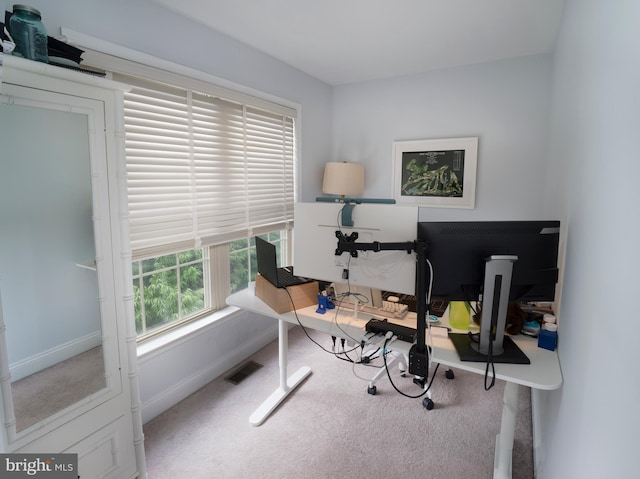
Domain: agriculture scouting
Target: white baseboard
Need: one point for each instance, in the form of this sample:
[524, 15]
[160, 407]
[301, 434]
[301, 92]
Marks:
[26, 367]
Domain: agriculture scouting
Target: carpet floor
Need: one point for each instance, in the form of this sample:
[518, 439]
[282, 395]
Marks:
[331, 427]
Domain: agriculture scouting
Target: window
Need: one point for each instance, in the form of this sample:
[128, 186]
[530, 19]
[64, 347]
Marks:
[203, 170]
[242, 257]
[170, 289]
[208, 168]
[173, 289]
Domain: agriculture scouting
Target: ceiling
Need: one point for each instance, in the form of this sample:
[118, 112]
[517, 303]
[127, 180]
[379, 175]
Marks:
[347, 41]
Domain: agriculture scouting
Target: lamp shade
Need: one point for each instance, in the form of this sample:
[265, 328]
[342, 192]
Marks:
[346, 179]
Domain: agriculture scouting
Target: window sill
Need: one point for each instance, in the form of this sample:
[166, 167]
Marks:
[177, 335]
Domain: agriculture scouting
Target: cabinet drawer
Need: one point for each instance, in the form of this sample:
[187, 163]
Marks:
[106, 453]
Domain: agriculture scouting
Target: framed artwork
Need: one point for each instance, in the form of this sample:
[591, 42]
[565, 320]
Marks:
[436, 173]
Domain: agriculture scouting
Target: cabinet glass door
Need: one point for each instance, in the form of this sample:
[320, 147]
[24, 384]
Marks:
[55, 287]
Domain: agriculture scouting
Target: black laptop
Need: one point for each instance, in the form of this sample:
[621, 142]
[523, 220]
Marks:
[268, 266]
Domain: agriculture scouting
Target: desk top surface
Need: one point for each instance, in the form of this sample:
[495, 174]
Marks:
[543, 373]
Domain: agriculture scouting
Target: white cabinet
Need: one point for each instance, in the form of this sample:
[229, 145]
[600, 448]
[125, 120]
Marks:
[68, 375]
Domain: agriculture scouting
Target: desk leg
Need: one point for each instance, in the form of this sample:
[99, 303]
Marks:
[286, 385]
[504, 440]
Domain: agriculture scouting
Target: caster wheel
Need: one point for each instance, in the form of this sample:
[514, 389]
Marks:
[428, 404]
[449, 374]
[372, 390]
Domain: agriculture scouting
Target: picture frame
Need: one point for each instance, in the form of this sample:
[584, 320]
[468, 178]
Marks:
[438, 173]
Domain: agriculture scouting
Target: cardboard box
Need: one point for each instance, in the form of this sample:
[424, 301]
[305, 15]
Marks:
[303, 295]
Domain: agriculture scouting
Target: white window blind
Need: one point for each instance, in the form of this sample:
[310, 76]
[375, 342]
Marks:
[202, 169]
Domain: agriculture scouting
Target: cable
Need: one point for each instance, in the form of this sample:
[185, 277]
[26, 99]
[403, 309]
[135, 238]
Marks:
[384, 356]
[295, 312]
[359, 296]
[474, 337]
[384, 352]
[333, 353]
[353, 368]
[338, 308]
[493, 367]
[428, 303]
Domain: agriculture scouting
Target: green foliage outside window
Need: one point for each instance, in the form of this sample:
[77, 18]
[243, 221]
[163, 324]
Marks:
[242, 257]
[172, 287]
[241, 270]
[164, 299]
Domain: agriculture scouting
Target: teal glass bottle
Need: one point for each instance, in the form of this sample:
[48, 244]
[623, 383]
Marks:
[29, 33]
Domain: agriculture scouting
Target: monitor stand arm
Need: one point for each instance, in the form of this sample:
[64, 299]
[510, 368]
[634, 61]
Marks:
[418, 355]
[348, 243]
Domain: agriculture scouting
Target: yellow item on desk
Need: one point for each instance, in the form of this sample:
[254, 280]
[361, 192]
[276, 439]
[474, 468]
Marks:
[459, 315]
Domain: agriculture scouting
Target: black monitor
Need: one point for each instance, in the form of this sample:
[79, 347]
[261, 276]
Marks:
[496, 262]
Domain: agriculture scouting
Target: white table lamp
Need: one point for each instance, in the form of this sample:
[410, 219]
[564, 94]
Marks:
[344, 179]
[347, 181]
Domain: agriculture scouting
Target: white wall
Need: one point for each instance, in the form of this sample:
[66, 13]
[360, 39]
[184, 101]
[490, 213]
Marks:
[589, 181]
[169, 375]
[505, 104]
[590, 426]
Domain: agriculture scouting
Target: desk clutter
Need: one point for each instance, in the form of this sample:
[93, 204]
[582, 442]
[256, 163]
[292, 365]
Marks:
[382, 326]
[536, 321]
[541, 323]
[548, 336]
[384, 304]
[388, 309]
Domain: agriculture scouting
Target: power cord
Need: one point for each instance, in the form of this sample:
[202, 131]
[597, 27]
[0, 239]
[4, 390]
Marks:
[493, 367]
[347, 358]
[386, 366]
[338, 308]
[474, 338]
[333, 353]
[295, 312]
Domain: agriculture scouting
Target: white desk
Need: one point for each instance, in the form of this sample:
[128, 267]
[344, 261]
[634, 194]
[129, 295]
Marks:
[246, 299]
[543, 372]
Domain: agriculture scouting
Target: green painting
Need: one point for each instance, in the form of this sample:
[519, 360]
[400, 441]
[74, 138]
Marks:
[433, 173]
